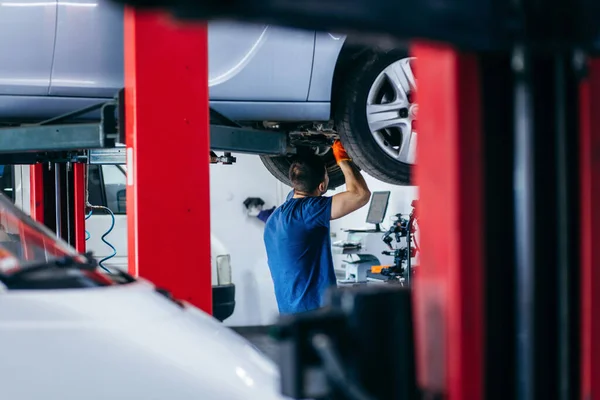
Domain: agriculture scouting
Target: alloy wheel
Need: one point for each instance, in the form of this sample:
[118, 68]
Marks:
[392, 112]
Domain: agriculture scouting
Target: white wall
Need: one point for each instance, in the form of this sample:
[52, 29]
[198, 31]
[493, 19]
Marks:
[230, 185]
[243, 235]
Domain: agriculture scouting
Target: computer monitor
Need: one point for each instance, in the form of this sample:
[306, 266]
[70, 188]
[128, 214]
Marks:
[378, 208]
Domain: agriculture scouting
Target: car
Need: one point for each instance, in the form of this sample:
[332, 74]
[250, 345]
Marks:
[58, 56]
[73, 331]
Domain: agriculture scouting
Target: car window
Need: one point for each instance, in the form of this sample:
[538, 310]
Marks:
[115, 183]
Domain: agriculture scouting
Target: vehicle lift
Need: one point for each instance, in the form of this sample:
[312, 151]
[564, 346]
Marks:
[509, 285]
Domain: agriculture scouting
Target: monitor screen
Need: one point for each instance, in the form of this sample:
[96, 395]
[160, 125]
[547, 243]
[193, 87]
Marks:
[378, 207]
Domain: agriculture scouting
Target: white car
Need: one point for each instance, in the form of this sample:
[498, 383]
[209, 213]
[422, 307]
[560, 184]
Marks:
[72, 332]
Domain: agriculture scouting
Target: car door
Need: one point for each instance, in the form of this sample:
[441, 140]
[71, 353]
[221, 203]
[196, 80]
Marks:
[88, 60]
[27, 32]
[247, 62]
[254, 62]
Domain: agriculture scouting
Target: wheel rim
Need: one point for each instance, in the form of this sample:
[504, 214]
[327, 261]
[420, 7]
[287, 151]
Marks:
[391, 111]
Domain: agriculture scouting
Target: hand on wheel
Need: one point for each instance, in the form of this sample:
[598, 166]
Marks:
[339, 152]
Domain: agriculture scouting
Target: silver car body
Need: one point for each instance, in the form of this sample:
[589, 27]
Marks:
[60, 55]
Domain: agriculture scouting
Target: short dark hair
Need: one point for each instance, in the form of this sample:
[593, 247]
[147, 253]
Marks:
[307, 172]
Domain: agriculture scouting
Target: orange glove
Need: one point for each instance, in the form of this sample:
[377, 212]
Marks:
[339, 152]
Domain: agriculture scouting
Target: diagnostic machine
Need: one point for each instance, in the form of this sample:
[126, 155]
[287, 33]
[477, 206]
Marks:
[361, 245]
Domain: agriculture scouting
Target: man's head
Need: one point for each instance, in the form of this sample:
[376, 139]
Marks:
[308, 175]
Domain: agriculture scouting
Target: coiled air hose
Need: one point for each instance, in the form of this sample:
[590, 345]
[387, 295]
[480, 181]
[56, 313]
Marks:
[87, 234]
[112, 223]
[112, 226]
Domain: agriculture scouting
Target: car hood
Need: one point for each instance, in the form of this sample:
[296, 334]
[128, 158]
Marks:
[123, 342]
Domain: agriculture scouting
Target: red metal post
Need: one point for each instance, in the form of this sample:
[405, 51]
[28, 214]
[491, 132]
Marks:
[79, 200]
[167, 117]
[448, 289]
[36, 206]
[36, 192]
[590, 232]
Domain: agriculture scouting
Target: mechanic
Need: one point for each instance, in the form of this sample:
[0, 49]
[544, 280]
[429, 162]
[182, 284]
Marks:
[297, 236]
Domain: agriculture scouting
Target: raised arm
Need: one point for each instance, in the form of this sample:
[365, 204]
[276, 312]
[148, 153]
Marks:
[357, 193]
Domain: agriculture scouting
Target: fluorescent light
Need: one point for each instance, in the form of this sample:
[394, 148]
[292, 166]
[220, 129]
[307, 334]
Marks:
[47, 3]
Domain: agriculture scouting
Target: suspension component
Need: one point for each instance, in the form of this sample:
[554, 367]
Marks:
[225, 159]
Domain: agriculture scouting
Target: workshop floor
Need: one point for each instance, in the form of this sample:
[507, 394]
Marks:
[259, 337]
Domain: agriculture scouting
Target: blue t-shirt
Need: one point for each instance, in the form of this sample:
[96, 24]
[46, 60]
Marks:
[298, 247]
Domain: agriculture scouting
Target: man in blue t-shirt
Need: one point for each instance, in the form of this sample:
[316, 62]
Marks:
[297, 234]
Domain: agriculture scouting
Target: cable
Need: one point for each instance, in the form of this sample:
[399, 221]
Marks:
[112, 226]
[87, 234]
[334, 369]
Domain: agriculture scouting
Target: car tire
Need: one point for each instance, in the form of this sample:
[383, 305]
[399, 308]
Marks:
[279, 167]
[350, 117]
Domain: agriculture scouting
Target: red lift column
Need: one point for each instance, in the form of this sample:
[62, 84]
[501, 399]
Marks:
[448, 286]
[496, 295]
[167, 120]
[73, 200]
[590, 233]
[79, 205]
[36, 192]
